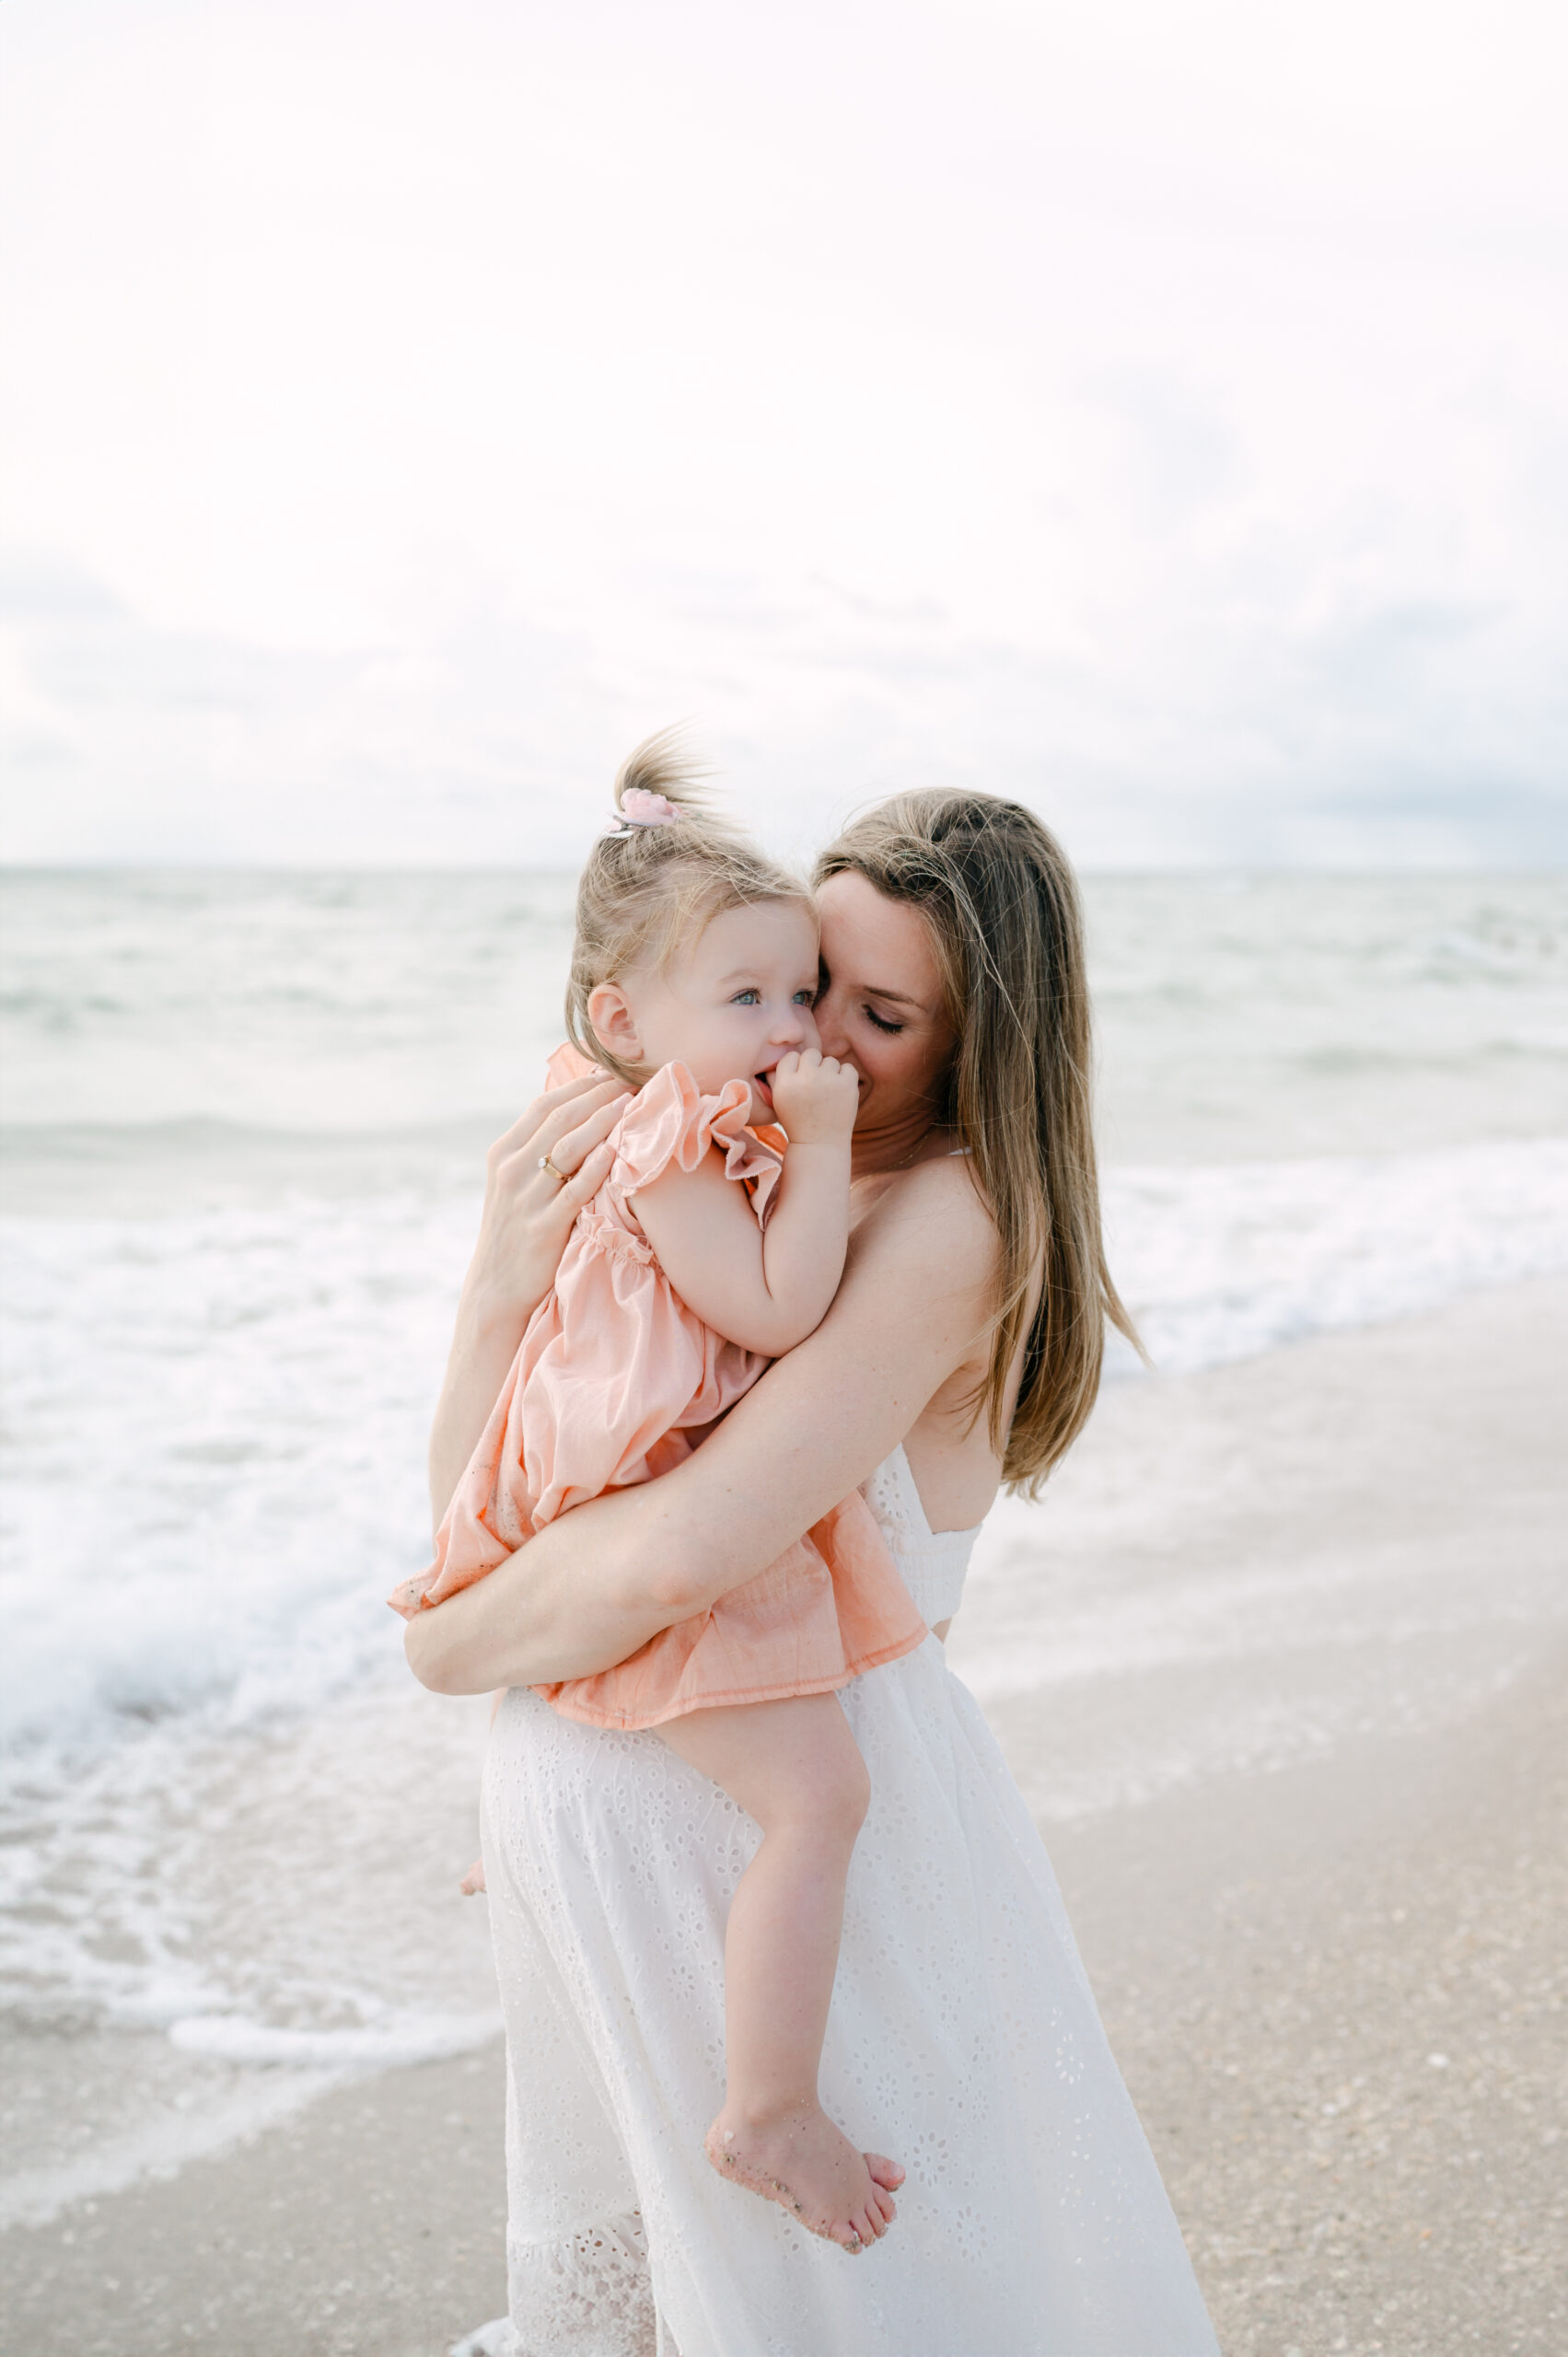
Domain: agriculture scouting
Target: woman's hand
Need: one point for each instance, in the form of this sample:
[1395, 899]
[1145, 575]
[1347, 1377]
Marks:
[528, 1210]
[523, 1229]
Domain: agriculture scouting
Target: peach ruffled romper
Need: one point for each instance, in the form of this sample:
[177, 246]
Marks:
[615, 1381]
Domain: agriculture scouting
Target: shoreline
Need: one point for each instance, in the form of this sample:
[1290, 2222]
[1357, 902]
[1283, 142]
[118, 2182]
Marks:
[1277, 1950]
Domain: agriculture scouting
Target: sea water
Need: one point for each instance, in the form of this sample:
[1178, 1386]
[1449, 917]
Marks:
[243, 1129]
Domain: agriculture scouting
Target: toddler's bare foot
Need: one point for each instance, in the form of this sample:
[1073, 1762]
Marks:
[472, 1885]
[801, 2161]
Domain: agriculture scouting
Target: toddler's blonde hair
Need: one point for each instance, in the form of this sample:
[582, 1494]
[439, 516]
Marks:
[646, 892]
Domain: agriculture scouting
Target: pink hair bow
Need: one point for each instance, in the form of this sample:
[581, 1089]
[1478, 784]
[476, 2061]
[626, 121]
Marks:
[641, 808]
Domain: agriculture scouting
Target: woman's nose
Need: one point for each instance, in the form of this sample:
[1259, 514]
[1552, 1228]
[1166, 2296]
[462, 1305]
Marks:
[825, 1021]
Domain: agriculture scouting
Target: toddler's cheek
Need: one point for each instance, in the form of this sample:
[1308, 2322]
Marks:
[813, 1037]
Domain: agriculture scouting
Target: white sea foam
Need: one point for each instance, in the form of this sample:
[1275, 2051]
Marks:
[31, 2196]
[1220, 1264]
[216, 1422]
[423, 2038]
[215, 1433]
[283, 1894]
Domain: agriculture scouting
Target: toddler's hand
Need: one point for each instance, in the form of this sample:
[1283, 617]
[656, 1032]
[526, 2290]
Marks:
[816, 1098]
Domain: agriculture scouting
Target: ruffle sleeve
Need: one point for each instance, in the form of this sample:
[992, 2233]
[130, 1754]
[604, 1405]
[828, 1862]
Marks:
[669, 1120]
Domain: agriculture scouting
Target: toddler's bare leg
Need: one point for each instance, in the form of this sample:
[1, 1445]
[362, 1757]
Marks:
[794, 1767]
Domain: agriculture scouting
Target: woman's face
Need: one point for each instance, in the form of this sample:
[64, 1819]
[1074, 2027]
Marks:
[880, 1006]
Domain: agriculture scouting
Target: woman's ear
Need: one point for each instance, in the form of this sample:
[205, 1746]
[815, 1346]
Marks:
[610, 1015]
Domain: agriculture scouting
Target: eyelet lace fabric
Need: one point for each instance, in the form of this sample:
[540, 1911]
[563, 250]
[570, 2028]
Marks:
[962, 2039]
[589, 2293]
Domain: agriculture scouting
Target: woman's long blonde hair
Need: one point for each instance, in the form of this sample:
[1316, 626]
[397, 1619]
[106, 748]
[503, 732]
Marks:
[1002, 905]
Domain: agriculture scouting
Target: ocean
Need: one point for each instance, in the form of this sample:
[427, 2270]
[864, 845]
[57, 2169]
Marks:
[242, 1124]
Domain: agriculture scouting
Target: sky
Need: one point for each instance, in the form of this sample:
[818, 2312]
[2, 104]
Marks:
[1159, 414]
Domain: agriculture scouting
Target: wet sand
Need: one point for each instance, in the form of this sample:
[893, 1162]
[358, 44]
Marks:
[1338, 1990]
[1341, 2000]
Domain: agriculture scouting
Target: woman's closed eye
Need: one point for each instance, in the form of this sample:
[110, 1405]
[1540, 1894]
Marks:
[881, 1021]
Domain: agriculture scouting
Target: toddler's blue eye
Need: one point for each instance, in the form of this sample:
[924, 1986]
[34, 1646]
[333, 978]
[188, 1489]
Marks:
[747, 998]
[806, 998]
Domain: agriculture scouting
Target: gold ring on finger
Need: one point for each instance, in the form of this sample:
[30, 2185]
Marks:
[546, 1163]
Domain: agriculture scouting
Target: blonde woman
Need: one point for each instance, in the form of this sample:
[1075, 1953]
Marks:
[962, 1349]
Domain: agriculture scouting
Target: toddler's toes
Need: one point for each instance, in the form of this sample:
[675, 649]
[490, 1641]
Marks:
[472, 1885]
[884, 2172]
[885, 2206]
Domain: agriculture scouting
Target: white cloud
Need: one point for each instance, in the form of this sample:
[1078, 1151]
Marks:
[1158, 414]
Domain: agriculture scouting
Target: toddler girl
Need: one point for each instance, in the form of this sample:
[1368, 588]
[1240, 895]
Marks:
[707, 1252]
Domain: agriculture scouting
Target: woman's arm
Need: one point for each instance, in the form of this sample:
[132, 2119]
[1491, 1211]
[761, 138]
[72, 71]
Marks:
[527, 1218]
[599, 1582]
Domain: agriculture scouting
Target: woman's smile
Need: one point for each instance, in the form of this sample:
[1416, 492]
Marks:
[882, 1008]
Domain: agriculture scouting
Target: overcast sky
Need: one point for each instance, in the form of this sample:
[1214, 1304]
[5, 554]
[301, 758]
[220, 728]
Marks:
[1159, 412]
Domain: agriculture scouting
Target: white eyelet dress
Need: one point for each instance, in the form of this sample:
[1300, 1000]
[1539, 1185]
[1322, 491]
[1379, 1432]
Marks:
[962, 2041]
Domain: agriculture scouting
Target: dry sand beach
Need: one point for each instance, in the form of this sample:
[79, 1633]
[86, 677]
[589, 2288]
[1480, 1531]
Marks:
[1334, 1975]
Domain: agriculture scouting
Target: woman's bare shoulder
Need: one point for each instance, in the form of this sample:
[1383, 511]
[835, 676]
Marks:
[934, 1216]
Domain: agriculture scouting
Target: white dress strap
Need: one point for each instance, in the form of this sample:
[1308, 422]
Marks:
[931, 1562]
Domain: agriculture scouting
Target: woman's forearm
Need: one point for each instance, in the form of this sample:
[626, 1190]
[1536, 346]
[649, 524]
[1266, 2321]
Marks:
[607, 1576]
[580, 1597]
[527, 1218]
[484, 1343]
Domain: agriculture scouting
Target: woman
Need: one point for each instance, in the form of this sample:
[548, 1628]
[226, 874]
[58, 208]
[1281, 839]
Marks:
[963, 1348]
